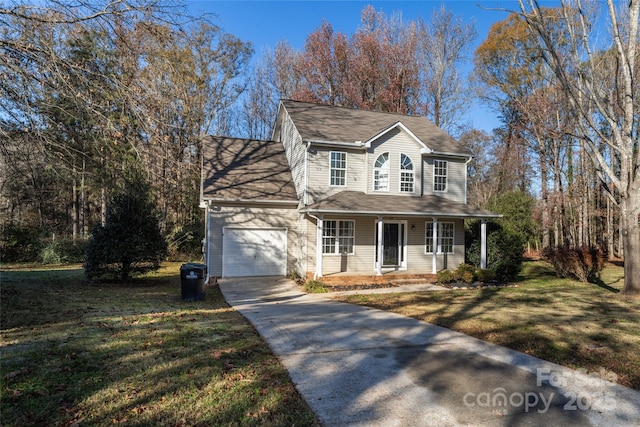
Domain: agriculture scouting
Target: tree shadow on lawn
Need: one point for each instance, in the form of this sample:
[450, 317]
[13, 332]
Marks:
[591, 332]
[559, 337]
[140, 357]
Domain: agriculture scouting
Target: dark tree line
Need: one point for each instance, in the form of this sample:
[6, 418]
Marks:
[89, 86]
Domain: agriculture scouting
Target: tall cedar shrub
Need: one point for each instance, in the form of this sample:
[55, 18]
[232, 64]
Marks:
[130, 241]
[517, 210]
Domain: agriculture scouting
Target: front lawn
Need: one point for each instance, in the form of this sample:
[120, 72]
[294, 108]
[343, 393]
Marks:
[74, 353]
[582, 326]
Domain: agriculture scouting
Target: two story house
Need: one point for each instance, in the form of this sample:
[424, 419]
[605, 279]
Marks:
[337, 191]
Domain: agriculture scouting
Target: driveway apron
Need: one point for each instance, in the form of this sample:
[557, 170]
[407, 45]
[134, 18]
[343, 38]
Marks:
[357, 366]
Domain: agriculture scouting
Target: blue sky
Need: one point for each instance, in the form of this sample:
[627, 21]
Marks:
[265, 23]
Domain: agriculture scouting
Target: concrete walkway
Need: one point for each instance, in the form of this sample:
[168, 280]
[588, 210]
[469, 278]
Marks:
[357, 366]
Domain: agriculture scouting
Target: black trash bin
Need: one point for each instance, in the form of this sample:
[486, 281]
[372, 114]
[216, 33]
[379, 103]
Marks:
[192, 277]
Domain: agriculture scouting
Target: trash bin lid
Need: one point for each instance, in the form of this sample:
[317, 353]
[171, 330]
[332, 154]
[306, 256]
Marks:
[193, 270]
[193, 266]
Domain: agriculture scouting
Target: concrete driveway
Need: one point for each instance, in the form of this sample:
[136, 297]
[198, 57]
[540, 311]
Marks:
[357, 366]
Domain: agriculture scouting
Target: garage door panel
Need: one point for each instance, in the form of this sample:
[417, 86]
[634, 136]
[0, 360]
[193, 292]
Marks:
[254, 252]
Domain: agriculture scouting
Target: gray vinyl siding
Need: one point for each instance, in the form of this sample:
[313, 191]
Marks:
[253, 217]
[456, 178]
[395, 142]
[319, 170]
[362, 261]
[295, 151]
[418, 260]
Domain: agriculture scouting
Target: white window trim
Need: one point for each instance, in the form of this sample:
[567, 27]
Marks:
[375, 169]
[346, 168]
[337, 237]
[411, 171]
[440, 233]
[446, 176]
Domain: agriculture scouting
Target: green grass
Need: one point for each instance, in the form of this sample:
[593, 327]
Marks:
[78, 353]
[579, 325]
[314, 287]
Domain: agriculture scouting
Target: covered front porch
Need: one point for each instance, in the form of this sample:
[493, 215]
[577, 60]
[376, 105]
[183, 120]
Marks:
[360, 239]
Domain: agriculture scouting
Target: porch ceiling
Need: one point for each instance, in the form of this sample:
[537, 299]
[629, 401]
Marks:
[359, 203]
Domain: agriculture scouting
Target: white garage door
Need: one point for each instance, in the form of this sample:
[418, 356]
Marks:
[254, 252]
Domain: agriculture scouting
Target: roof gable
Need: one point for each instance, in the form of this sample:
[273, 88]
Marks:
[327, 123]
[236, 169]
[401, 128]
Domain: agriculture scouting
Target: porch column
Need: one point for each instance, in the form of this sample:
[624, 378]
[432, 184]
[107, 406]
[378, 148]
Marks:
[483, 244]
[379, 246]
[319, 234]
[434, 268]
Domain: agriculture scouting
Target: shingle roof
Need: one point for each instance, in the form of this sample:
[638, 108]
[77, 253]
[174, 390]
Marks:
[356, 202]
[246, 169]
[317, 122]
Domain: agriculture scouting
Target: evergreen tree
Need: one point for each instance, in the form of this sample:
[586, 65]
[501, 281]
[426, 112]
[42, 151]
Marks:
[130, 241]
[506, 236]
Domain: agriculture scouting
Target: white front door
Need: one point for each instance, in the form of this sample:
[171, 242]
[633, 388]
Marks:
[394, 245]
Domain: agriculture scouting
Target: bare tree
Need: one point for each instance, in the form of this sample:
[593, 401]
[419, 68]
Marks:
[608, 113]
[95, 84]
[444, 46]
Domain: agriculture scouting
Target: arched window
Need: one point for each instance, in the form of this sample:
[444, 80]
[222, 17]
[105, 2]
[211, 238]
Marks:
[407, 175]
[381, 173]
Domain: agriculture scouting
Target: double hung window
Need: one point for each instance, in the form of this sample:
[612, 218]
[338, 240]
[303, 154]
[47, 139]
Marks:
[446, 233]
[440, 175]
[338, 167]
[338, 237]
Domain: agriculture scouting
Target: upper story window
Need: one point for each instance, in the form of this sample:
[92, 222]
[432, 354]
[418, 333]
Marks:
[407, 176]
[381, 173]
[338, 169]
[440, 175]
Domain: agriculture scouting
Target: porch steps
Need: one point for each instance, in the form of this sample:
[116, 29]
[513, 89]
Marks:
[417, 281]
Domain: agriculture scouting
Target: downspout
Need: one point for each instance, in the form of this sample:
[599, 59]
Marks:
[305, 192]
[207, 243]
[319, 231]
[422, 182]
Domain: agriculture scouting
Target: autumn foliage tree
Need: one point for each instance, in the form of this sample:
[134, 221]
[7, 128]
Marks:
[599, 77]
[539, 131]
[386, 65]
